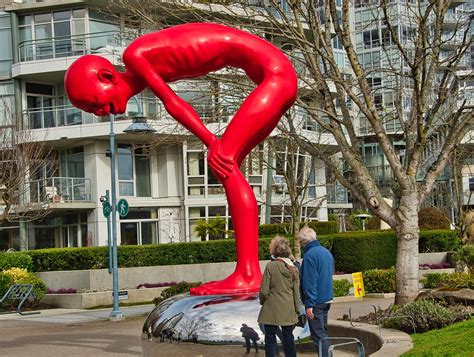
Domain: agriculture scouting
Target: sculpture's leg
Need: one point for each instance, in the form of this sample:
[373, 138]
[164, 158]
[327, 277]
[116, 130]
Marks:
[257, 117]
[244, 212]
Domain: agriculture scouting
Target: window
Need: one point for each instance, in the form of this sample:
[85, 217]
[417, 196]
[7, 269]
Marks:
[140, 226]
[6, 56]
[7, 103]
[40, 101]
[374, 82]
[371, 38]
[54, 34]
[125, 170]
[72, 162]
[471, 184]
[133, 171]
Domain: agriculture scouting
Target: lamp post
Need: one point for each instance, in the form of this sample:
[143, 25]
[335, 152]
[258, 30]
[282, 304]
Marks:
[139, 125]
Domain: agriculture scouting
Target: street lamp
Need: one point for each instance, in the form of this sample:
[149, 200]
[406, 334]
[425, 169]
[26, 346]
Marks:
[139, 126]
[363, 217]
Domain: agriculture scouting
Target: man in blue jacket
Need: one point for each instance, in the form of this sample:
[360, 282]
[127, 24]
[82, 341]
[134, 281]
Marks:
[316, 286]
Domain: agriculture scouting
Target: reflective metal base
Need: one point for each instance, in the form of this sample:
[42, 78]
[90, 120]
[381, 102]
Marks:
[207, 319]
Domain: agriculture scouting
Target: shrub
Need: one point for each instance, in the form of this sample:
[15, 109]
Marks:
[445, 281]
[155, 285]
[5, 282]
[427, 315]
[179, 288]
[359, 251]
[352, 251]
[439, 241]
[15, 260]
[433, 218]
[61, 291]
[21, 276]
[341, 287]
[380, 281]
[321, 228]
[465, 255]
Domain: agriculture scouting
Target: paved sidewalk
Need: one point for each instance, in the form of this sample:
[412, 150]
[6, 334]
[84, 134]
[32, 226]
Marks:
[67, 332]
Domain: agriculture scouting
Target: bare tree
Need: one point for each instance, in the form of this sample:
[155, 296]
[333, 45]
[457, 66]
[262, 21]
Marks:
[406, 90]
[21, 160]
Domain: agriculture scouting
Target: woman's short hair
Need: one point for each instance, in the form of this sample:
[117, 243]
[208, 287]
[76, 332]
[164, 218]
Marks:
[280, 247]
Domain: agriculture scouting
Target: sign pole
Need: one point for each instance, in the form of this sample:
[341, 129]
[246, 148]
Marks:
[109, 238]
[116, 314]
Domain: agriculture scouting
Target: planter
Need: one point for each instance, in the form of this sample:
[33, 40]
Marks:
[93, 299]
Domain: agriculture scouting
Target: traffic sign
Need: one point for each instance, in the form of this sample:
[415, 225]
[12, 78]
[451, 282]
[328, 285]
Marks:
[122, 207]
[358, 283]
[106, 208]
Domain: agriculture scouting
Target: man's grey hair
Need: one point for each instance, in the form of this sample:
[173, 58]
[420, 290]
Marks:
[306, 235]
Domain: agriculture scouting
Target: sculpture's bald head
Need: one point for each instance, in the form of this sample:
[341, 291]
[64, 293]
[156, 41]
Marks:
[92, 84]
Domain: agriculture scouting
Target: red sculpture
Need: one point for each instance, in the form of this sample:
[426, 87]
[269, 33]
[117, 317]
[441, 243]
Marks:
[189, 51]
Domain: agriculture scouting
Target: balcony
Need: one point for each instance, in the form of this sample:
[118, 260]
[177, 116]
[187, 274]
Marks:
[51, 117]
[65, 46]
[60, 190]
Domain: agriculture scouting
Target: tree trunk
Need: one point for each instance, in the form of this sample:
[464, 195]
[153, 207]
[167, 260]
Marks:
[407, 250]
[296, 240]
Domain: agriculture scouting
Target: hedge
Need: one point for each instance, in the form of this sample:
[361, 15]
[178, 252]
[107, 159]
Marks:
[321, 228]
[353, 251]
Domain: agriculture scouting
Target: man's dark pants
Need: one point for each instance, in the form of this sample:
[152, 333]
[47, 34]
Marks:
[247, 343]
[319, 327]
[271, 342]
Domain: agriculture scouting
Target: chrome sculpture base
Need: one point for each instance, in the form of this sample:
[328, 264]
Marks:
[214, 319]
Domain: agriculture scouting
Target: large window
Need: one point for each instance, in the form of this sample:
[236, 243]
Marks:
[7, 103]
[207, 213]
[51, 34]
[6, 56]
[40, 101]
[133, 171]
[140, 226]
[72, 162]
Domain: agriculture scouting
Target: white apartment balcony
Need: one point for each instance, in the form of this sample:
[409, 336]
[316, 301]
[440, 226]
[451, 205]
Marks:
[54, 54]
[456, 3]
[62, 192]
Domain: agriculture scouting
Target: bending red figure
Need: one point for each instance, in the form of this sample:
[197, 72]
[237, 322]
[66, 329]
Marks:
[188, 51]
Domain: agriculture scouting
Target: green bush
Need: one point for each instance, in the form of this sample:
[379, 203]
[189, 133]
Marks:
[439, 241]
[5, 282]
[431, 280]
[433, 218]
[321, 228]
[359, 251]
[445, 281]
[180, 288]
[352, 251]
[15, 260]
[341, 287]
[22, 276]
[380, 281]
[465, 255]
[427, 315]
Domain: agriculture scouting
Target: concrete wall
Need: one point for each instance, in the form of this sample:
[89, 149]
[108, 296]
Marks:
[130, 278]
[88, 300]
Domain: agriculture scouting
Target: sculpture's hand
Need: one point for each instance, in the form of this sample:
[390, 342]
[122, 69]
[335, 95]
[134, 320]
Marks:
[221, 165]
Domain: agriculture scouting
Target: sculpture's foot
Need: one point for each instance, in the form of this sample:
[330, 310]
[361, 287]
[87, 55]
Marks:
[236, 283]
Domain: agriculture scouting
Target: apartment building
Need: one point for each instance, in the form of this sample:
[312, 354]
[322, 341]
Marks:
[376, 52]
[164, 176]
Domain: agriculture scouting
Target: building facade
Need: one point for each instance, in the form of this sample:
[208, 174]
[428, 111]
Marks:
[164, 177]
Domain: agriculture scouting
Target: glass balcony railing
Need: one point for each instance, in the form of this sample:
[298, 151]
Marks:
[60, 190]
[50, 117]
[337, 194]
[65, 46]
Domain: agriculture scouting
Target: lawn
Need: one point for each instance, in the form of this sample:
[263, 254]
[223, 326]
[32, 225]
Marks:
[454, 340]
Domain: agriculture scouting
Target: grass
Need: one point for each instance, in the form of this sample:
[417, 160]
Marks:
[454, 340]
[121, 304]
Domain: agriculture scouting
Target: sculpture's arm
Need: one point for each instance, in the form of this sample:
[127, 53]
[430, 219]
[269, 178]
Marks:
[180, 110]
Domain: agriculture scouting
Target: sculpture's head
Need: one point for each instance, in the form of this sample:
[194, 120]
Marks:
[92, 84]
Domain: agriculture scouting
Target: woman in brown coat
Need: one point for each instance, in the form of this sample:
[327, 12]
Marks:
[280, 297]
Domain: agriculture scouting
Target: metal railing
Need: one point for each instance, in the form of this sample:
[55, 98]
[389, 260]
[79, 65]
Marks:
[60, 190]
[76, 45]
[50, 117]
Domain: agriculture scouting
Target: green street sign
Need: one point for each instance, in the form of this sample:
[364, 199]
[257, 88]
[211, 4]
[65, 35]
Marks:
[122, 207]
[106, 208]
